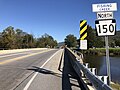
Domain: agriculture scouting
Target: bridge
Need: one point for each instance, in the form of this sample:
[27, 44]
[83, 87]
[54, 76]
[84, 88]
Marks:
[47, 69]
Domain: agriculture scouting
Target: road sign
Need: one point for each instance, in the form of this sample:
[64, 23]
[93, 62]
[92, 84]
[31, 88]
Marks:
[104, 15]
[83, 34]
[83, 29]
[104, 7]
[105, 27]
[83, 44]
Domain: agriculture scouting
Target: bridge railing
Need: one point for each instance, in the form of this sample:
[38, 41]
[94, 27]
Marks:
[78, 66]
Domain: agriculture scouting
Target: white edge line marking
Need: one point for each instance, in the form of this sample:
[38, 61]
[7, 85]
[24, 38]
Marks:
[29, 83]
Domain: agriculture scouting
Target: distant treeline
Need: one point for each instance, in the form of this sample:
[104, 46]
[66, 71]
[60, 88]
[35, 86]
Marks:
[93, 40]
[11, 38]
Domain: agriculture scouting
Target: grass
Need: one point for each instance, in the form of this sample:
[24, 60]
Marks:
[115, 86]
[102, 51]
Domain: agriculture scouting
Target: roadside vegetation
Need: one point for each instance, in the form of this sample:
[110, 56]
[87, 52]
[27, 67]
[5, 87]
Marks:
[96, 45]
[102, 51]
[11, 38]
[93, 40]
[71, 41]
[115, 86]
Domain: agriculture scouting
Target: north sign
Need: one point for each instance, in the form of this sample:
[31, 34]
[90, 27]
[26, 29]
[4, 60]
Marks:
[104, 7]
[104, 15]
[105, 27]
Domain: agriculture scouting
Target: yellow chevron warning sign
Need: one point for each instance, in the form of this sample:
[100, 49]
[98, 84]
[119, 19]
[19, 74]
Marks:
[83, 34]
[83, 30]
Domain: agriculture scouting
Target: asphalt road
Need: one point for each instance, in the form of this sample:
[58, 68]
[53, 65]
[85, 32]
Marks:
[14, 66]
[42, 69]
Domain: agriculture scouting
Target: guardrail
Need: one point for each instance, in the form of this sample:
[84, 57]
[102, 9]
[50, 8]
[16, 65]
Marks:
[78, 66]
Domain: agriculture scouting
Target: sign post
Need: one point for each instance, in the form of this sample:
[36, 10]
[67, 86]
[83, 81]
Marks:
[105, 26]
[107, 59]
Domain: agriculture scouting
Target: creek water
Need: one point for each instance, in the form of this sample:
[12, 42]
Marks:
[99, 62]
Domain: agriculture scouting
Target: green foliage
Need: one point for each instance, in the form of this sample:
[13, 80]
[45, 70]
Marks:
[46, 41]
[114, 40]
[8, 37]
[93, 40]
[71, 40]
[102, 51]
[99, 42]
[13, 39]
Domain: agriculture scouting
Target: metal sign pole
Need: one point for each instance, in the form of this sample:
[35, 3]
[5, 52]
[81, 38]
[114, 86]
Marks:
[107, 59]
[105, 26]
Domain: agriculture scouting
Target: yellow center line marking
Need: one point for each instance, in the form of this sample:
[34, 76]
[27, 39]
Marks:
[19, 58]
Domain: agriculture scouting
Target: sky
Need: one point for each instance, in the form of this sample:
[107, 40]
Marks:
[57, 18]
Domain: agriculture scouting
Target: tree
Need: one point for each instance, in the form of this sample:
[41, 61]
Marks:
[117, 42]
[8, 36]
[46, 41]
[28, 41]
[12, 39]
[71, 40]
[1, 42]
[90, 36]
[19, 38]
[114, 40]
[93, 39]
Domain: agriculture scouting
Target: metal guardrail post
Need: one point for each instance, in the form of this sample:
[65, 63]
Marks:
[87, 65]
[97, 83]
[93, 70]
[78, 66]
[104, 79]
